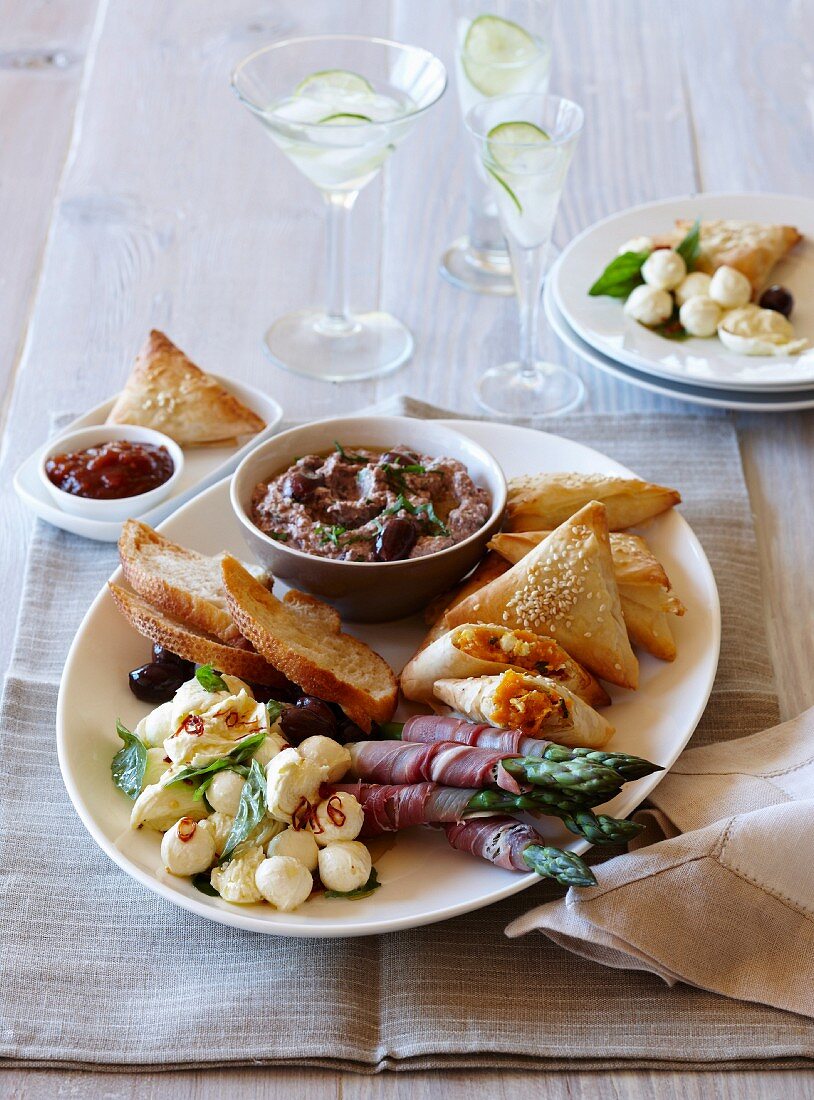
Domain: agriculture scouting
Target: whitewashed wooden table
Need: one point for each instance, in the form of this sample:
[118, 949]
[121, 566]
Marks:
[136, 192]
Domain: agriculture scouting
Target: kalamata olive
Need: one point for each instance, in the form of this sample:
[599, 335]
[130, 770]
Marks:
[308, 717]
[299, 486]
[401, 458]
[156, 683]
[347, 731]
[777, 298]
[396, 539]
[162, 656]
[282, 693]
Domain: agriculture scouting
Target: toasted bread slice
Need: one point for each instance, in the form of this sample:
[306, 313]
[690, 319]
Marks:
[167, 392]
[301, 636]
[192, 645]
[182, 583]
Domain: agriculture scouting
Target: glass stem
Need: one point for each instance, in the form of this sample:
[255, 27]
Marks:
[337, 315]
[528, 268]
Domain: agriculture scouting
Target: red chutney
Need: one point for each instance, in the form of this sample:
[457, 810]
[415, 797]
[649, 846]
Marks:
[110, 471]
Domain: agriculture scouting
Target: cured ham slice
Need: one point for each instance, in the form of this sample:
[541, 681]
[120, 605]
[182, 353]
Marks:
[390, 807]
[399, 762]
[430, 729]
[501, 840]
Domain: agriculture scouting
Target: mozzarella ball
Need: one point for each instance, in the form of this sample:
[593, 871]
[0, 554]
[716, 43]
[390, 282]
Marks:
[339, 817]
[284, 882]
[219, 826]
[186, 849]
[700, 316]
[235, 881]
[157, 764]
[291, 781]
[636, 244]
[298, 844]
[324, 751]
[664, 269]
[344, 865]
[156, 726]
[223, 793]
[273, 743]
[648, 305]
[693, 286]
[160, 805]
[729, 288]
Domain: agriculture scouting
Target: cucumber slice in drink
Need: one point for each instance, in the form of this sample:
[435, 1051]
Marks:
[516, 146]
[345, 119]
[507, 189]
[332, 80]
[495, 51]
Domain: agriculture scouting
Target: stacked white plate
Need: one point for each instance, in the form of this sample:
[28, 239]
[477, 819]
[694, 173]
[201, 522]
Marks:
[701, 371]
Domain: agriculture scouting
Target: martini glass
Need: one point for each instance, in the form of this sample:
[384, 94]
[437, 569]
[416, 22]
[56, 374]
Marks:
[525, 144]
[502, 47]
[338, 106]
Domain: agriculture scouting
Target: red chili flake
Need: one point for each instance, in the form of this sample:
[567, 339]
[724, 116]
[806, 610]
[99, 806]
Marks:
[192, 724]
[186, 829]
[303, 814]
[232, 719]
[335, 812]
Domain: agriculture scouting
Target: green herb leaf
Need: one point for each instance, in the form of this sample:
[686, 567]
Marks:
[250, 811]
[210, 679]
[273, 710]
[348, 456]
[365, 891]
[130, 763]
[202, 882]
[429, 512]
[279, 536]
[242, 751]
[690, 247]
[672, 328]
[623, 274]
[330, 534]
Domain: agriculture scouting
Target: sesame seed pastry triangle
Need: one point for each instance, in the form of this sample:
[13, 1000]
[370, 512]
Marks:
[565, 589]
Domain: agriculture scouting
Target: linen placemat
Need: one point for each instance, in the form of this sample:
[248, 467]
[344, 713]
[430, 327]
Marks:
[97, 971]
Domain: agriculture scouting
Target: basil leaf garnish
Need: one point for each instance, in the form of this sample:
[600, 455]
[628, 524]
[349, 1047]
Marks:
[672, 328]
[623, 274]
[690, 247]
[348, 456]
[202, 882]
[250, 812]
[130, 763]
[242, 751]
[210, 679]
[273, 710]
[365, 891]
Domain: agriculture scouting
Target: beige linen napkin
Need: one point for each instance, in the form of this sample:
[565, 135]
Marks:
[719, 892]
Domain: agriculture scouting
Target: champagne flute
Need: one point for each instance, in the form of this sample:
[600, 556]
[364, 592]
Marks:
[525, 144]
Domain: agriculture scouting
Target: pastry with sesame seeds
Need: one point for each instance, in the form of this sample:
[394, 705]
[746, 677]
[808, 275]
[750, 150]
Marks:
[564, 589]
[540, 502]
[477, 649]
[644, 588]
[532, 704]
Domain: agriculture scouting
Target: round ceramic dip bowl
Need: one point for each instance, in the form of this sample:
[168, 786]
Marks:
[368, 591]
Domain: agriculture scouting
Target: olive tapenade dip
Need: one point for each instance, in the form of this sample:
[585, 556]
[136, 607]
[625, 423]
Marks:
[365, 505]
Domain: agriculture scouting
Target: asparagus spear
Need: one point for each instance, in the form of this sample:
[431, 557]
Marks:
[565, 867]
[623, 763]
[599, 829]
[579, 776]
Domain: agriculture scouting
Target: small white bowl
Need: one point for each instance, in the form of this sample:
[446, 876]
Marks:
[121, 508]
[368, 591]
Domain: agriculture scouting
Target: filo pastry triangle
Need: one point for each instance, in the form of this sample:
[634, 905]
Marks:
[565, 589]
[167, 392]
[539, 502]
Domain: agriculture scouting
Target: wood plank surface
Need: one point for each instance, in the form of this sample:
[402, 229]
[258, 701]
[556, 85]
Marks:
[173, 210]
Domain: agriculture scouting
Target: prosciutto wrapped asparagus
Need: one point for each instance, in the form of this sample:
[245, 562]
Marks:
[431, 728]
[454, 765]
[517, 847]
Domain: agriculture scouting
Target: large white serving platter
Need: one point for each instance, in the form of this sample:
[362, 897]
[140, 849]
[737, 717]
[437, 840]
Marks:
[423, 879]
[601, 322]
[203, 466]
[741, 401]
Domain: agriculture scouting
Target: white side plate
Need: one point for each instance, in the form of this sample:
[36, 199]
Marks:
[423, 879]
[602, 323]
[203, 466]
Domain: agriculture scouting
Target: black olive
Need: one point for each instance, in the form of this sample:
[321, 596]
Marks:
[299, 486]
[162, 656]
[156, 683]
[401, 458]
[347, 731]
[282, 693]
[308, 717]
[396, 539]
[777, 298]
